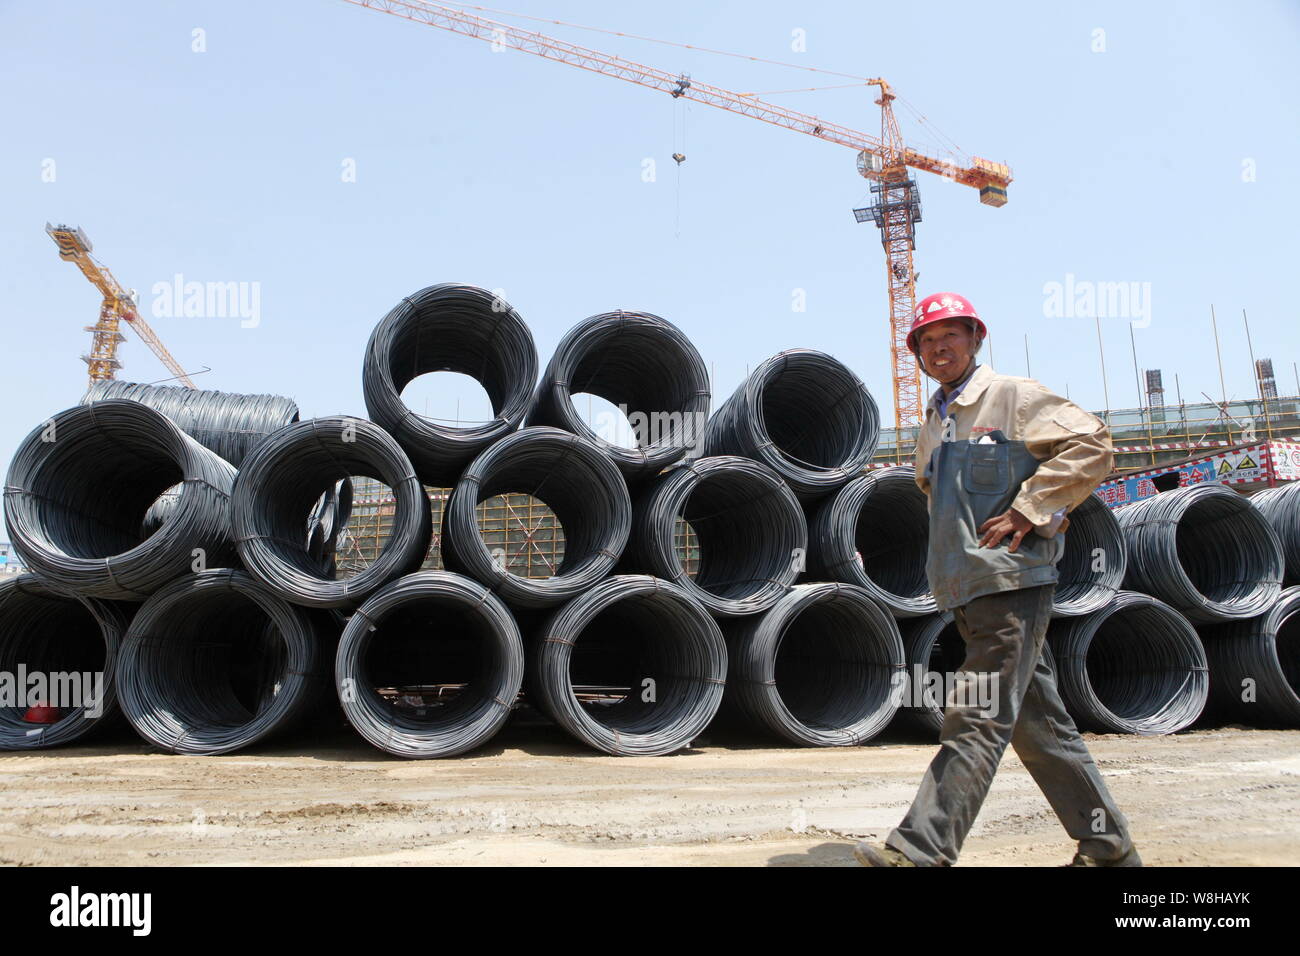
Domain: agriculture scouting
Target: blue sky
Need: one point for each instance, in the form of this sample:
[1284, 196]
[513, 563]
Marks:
[1168, 158]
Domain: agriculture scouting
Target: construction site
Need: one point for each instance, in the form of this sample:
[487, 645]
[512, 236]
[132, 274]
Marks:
[667, 580]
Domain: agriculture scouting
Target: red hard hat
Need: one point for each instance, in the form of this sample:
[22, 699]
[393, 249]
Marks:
[940, 306]
[43, 714]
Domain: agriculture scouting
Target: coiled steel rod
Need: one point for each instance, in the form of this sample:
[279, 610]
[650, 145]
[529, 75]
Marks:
[216, 661]
[931, 645]
[935, 652]
[1281, 506]
[570, 476]
[1134, 667]
[1255, 664]
[454, 328]
[73, 644]
[227, 423]
[804, 415]
[328, 518]
[1205, 550]
[653, 649]
[1092, 568]
[80, 485]
[282, 479]
[645, 365]
[748, 526]
[874, 532]
[821, 668]
[442, 639]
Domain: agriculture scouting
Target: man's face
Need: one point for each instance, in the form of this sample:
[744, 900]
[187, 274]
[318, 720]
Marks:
[947, 349]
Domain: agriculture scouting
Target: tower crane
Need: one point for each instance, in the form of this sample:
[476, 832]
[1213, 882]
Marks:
[884, 159]
[118, 305]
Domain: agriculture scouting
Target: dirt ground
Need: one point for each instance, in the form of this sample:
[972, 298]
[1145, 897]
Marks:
[1204, 797]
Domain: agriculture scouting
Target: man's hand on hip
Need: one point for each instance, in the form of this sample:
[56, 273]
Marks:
[1011, 522]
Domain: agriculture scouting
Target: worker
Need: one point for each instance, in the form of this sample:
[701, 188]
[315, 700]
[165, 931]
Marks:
[1002, 460]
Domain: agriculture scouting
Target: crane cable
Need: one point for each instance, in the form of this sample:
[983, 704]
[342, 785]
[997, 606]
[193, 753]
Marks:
[684, 46]
[946, 144]
[804, 89]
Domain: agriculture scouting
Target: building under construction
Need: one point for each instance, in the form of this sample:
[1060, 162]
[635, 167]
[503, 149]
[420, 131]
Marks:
[529, 538]
[1156, 433]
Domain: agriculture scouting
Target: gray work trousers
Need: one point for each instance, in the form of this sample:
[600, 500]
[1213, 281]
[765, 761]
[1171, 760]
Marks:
[1004, 634]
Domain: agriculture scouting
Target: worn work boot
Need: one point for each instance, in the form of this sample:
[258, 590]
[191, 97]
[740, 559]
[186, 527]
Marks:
[1130, 858]
[880, 854]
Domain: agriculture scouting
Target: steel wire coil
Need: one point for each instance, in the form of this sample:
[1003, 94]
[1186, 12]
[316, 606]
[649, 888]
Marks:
[573, 478]
[216, 661]
[652, 652]
[227, 423]
[935, 652]
[748, 526]
[73, 642]
[327, 519]
[1136, 666]
[80, 485]
[453, 328]
[435, 634]
[285, 476]
[160, 510]
[1092, 568]
[1205, 550]
[931, 645]
[1255, 664]
[1281, 506]
[823, 668]
[804, 415]
[329, 516]
[645, 365]
[874, 532]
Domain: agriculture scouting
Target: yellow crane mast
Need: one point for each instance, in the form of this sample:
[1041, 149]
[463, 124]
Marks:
[117, 306]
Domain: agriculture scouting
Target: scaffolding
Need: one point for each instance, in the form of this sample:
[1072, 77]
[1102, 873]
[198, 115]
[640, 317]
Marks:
[520, 529]
[10, 563]
[1150, 436]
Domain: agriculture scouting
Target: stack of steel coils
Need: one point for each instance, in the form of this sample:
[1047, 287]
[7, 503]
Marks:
[183, 551]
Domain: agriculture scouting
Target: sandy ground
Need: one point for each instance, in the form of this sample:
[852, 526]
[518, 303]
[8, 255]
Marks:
[1205, 797]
